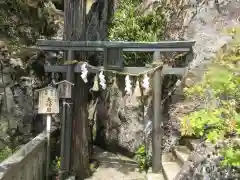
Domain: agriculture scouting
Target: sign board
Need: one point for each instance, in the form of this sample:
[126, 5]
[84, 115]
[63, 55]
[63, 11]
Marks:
[48, 102]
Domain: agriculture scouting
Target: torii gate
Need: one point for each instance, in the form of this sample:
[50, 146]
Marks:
[113, 59]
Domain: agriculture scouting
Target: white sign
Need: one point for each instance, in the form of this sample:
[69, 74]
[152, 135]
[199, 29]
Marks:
[48, 102]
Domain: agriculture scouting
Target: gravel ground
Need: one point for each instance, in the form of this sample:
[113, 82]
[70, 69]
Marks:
[111, 173]
[115, 167]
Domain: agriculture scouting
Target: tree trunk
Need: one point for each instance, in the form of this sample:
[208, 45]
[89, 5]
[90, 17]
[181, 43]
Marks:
[80, 146]
[74, 26]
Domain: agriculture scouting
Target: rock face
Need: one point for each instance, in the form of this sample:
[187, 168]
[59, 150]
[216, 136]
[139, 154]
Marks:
[20, 76]
[206, 28]
[121, 123]
[18, 116]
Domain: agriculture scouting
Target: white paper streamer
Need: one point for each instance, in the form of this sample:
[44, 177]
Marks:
[102, 80]
[148, 128]
[145, 83]
[128, 85]
[95, 84]
[137, 90]
[84, 73]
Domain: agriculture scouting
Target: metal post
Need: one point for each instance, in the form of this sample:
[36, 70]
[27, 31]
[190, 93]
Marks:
[66, 129]
[69, 110]
[66, 133]
[62, 171]
[156, 124]
[48, 131]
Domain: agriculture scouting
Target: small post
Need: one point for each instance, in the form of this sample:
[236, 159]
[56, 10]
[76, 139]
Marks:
[62, 158]
[64, 92]
[69, 114]
[156, 124]
[48, 130]
[48, 103]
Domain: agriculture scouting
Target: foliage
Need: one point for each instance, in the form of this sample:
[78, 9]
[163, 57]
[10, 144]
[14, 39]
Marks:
[4, 153]
[24, 21]
[129, 24]
[219, 119]
[56, 164]
[143, 158]
[12, 142]
[231, 156]
[213, 124]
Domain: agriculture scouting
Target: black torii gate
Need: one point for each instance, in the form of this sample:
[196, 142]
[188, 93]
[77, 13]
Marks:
[113, 59]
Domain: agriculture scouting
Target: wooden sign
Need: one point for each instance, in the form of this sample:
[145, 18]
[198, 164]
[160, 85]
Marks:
[48, 102]
[64, 89]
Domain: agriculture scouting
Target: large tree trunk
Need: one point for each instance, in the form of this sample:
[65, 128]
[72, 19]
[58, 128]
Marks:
[75, 25]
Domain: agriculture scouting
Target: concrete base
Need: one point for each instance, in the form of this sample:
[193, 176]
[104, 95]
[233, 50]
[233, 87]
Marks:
[154, 176]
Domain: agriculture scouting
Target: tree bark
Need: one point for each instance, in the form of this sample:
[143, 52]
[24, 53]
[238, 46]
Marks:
[74, 29]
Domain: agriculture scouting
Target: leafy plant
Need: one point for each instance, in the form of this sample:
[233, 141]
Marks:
[56, 164]
[231, 156]
[129, 24]
[143, 158]
[213, 124]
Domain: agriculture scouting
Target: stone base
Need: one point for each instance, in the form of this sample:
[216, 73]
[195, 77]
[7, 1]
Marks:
[154, 176]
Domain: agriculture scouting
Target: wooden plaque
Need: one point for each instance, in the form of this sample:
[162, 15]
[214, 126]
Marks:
[48, 102]
[64, 89]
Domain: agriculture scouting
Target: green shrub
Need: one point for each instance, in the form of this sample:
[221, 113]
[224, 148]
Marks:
[55, 166]
[129, 24]
[143, 158]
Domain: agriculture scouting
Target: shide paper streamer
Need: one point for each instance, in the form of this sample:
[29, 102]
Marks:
[101, 79]
[84, 73]
[128, 85]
